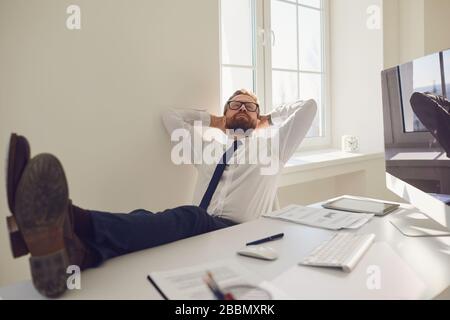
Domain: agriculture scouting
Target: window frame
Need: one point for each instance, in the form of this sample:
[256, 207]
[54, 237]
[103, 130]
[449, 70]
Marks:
[262, 64]
[394, 130]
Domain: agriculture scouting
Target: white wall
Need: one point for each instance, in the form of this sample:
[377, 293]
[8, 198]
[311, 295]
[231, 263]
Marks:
[94, 97]
[356, 64]
[414, 28]
[437, 25]
[391, 34]
[411, 41]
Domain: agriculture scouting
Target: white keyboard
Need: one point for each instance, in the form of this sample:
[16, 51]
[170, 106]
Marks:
[344, 251]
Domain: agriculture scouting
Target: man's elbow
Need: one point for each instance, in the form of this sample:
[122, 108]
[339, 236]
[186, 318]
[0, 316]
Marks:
[310, 108]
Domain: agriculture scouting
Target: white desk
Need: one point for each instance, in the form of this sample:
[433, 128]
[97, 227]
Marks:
[125, 277]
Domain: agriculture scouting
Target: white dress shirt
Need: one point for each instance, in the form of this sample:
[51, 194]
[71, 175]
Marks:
[244, 191]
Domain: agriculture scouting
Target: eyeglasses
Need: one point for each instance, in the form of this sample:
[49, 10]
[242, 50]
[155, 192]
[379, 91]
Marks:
[249, 106]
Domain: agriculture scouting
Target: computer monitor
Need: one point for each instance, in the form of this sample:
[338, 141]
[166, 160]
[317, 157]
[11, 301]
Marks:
[416, 116]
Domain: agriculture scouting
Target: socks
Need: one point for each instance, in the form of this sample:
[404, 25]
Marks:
[82, 223]
[83, 228]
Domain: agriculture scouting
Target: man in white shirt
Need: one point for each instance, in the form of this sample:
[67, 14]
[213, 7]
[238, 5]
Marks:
[245, 191]
[232, 189]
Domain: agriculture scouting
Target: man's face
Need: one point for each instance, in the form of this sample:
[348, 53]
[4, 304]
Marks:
[241, 118]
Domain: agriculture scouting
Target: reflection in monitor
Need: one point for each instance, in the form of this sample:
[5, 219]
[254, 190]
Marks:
[416, 109]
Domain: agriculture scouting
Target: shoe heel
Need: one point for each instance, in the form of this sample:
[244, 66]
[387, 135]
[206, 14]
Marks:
[49, 273]
[18, 246]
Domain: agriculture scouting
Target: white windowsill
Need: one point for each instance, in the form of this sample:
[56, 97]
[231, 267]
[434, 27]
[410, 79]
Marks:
[320, 164]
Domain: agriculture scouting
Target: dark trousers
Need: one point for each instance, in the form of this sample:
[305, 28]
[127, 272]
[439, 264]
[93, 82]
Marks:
[119, 234]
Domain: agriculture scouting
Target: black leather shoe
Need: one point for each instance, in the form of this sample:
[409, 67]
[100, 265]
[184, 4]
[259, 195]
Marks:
[18, 157]
[43, 215]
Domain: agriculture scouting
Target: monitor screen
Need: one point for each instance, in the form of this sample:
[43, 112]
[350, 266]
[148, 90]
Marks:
[416, 110]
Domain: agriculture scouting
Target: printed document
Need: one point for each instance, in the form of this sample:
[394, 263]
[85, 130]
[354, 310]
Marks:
[321, 218]
[187, 283]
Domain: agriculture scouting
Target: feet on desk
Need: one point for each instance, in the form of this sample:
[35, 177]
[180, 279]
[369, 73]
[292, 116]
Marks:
[42, 221]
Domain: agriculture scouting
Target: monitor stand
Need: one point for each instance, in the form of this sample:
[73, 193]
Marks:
[416, 224]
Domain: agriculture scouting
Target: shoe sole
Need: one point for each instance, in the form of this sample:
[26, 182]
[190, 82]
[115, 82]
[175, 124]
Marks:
[41, 206]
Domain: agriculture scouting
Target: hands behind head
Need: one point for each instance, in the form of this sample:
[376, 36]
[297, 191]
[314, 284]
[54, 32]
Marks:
[263, 122]
[218, 122]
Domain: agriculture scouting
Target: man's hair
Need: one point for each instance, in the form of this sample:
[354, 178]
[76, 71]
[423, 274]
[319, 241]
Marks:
[239, 92]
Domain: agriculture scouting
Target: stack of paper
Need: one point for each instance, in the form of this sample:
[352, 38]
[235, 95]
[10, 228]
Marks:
[320, 218]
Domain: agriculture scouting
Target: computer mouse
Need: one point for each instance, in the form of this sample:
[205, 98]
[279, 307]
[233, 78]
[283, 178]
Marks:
[259, 252]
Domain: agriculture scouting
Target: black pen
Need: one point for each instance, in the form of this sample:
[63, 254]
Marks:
[271, 238]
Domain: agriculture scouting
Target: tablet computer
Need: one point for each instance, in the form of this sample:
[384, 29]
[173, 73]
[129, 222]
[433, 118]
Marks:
[361, 206]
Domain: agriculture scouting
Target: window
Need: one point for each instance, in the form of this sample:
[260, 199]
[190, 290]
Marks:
[237, 37]
[277, 48]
